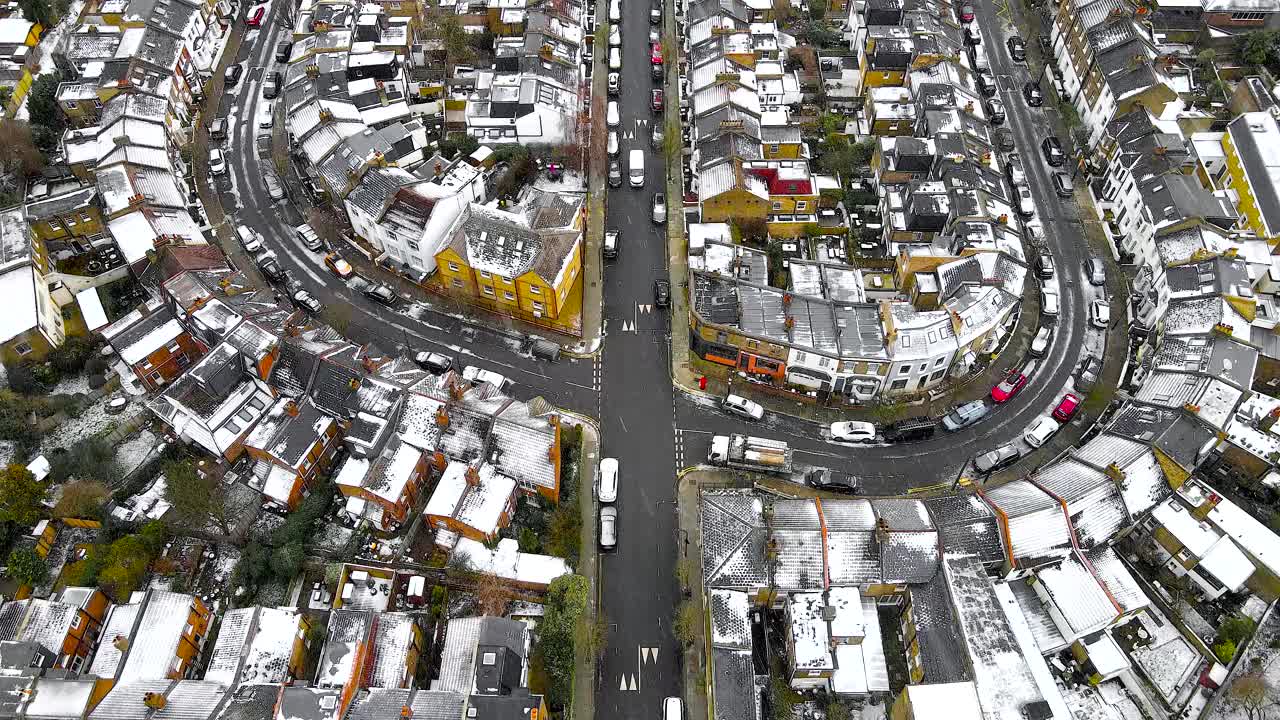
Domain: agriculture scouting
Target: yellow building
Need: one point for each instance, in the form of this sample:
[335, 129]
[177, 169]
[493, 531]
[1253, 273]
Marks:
[66, 213]
[527, 266]
[885, 57]
[793, 194]
[781, 142]
[728, 193]
[1252, 171]
[18, 38]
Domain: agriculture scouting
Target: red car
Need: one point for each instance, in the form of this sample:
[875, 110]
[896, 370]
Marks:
[656, 102]
[1066, 407]
[966, 13]
[1009, 386]
[655, 55]
[255, 16]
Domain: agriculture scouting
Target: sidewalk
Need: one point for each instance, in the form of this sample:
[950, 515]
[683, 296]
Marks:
[697, 680]
[584, 680]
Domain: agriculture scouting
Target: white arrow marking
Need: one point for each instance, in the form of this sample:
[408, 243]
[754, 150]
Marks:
[634, 686]
[655, 654]
[623, 685]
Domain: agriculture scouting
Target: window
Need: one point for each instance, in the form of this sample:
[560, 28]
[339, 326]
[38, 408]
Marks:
[773, 148]
[457, 282]
[97, 104]
[71, 222]
[1247, 16]
[538, 307]
[71, 105]
[175, 347]
[898, 385]
[484, 274]
[489, 658]
[86, 217]
[77, 662]
[938, 362]
[487, 290]
[777, 207]
[22, 348]
[535, 290]
[904, 369]
[801, 205]
[936, 376]
[77, 621]
[453, 268]
[508, 295]
[414, 246]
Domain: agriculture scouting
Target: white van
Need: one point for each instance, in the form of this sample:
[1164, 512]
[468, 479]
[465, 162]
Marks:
[251, 240]
[636, 168]
[615, 58]
[611, 116]
[615, 11]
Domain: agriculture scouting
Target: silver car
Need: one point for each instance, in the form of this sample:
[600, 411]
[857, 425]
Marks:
[1094, 269]
[1003, 456]
[275, 188]
[608, 527]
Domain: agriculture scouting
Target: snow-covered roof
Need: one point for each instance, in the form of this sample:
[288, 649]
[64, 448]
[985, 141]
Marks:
[1082, 604]
[944, 701]
[394, 639]
[155, 645]
[157, 338]
[507, 562]
[116, 637]
[1228, 564]
[18, 288]
[479, 506]
[60, 698]
[810, 641]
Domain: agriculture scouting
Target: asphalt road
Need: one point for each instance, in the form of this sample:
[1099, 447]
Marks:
[637, 581]
[410, 326]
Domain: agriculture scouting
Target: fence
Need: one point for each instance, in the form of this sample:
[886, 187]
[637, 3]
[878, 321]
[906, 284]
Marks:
[514, 313]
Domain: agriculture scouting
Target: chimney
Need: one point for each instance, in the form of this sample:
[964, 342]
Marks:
[442, 417]
[368, 364]
[472, 476]
[1116, 474]
[406, 711]
[438, 460]
[154, 700]
[121, 643]
[291, 407]
[1269, 420]
[882, 531]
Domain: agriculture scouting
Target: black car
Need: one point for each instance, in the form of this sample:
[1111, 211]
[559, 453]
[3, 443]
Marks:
[995, 111]
[919, 428]
[833, 481]
[232, 76]
[1034, 95]
[1004, 139]
[271, 88]
[1017, 49]
[1046, 45]
[661, 293]
[986, 82]
[655, 71]
[615, 174]
[271, 268]
[1088, 372]
[381, 293]
[1053, 154]
[283, 49]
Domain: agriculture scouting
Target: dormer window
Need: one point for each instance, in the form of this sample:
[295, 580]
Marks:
[489, 658]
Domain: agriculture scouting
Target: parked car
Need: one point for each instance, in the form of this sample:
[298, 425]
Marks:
[655, 100]
[612, 143]
[217, 162]
[659, 208]
[1044, 265]
[266, 113]
[610, 249]
[1001, 457]
[1009, 386]
[615, 83]
[966, 13]
[434, 362]
[1066, 408]
[275, 188]
[254, 17]
[910, 429]
[986, 82]
[995, 110]
[251, 241]
[270, 267]
[1004, 139]
[218, 129]
[1095, 271]
[607, 490]
[1062, 184]
[308, 237]
[742, 407]
[1088, 373]
[972, 35]
[307, 301]
[380, 293]
[1040, 430]
[661, 292]
[965, 415]
[1014, 171]
[615, 36]
[656, 136]
[1048, 302]
[284, 48]
[1034, 95]
[612, 115]
[833, 481]
[615, 174]
[1026, 203]
[271, 87]
[1100, 314]
[1040, 343]
[232, 75]
[853, 431]
[655, 14]
[608, 527]
[1052, 148]
[1017, 49]
[338, 266]
[476, 375]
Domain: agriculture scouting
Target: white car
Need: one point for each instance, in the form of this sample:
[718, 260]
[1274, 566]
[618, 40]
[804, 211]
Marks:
[659, 208]
[608, 527]
[217, 163]
[615, 36]
[613, 143]
[615, 83]
[615, 11]
[1040, 431]
[1026, 203]
[476, 375]
[612, 116]
[743, 407]
[1040, 344]
[852, 431]
[266, 113]
[1048, 302]
[1100, 314]
[607, 492]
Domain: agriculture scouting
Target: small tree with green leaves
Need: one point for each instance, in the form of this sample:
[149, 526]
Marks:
[27, 567]
[21, 496]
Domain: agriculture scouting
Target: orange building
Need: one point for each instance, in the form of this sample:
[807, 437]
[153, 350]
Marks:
[473, 501]
[296, 441]
[383, 489]
[66, 626]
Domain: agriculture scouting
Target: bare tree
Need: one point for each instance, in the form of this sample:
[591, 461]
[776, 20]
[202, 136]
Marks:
[1253, 694]
[492, 595]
